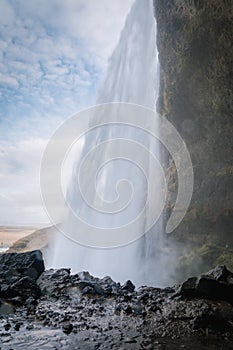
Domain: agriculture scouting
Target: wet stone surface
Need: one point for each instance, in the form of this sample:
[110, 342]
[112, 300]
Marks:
[82, 312]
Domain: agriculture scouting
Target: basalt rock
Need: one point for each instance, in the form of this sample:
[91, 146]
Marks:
[13, 265]
[217, 284]
[18, 275]
[128, 286]
[84, 312]
[53, 282]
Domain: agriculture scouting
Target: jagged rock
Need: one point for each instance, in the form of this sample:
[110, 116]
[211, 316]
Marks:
[20, 291]
[29, 264]
[217, 284]
[221, 273]
[52, 282]
[82, 304]
[110, 287]
[25, 288]
[87, 287]
[18, 275]
[188, 288]
[88, 284]
[128, 286]
[85, 276]
[142, 314]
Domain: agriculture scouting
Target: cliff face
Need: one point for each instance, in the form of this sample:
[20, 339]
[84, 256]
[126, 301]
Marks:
[195, 50]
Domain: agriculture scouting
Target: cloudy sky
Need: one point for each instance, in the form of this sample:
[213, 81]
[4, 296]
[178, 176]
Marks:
[53, 56]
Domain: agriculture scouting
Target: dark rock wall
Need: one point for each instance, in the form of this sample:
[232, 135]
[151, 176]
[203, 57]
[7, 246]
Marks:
[195, 50]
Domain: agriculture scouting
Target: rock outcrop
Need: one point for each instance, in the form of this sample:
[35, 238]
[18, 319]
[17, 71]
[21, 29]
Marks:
[196, 55]
[65, 311]
[217, 284]
[18, 275]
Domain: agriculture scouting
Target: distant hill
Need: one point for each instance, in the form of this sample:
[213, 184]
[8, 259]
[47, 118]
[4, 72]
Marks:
[36, 240]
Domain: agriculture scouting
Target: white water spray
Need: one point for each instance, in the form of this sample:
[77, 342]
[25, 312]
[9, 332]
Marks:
[133, 78]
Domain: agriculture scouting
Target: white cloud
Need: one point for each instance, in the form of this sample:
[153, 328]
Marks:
[52, 57]
[98, 24]
[72, 40]
[19, 181]
[7, 15]
[9, 81]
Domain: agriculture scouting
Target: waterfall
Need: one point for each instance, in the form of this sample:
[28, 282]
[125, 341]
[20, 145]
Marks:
[133, 69]
[132, 77]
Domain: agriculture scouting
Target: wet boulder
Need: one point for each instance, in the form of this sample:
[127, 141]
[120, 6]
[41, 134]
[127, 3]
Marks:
[216, 284]
[14, 265]
[128, 286]
[88, 284]
[18, 275]
[87, 287]
[25, 288]
[221, 274]
[53, 282]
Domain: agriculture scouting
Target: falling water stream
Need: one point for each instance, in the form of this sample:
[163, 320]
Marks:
[132, 77]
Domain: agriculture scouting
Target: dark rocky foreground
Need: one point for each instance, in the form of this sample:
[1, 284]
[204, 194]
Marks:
[56, 310]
